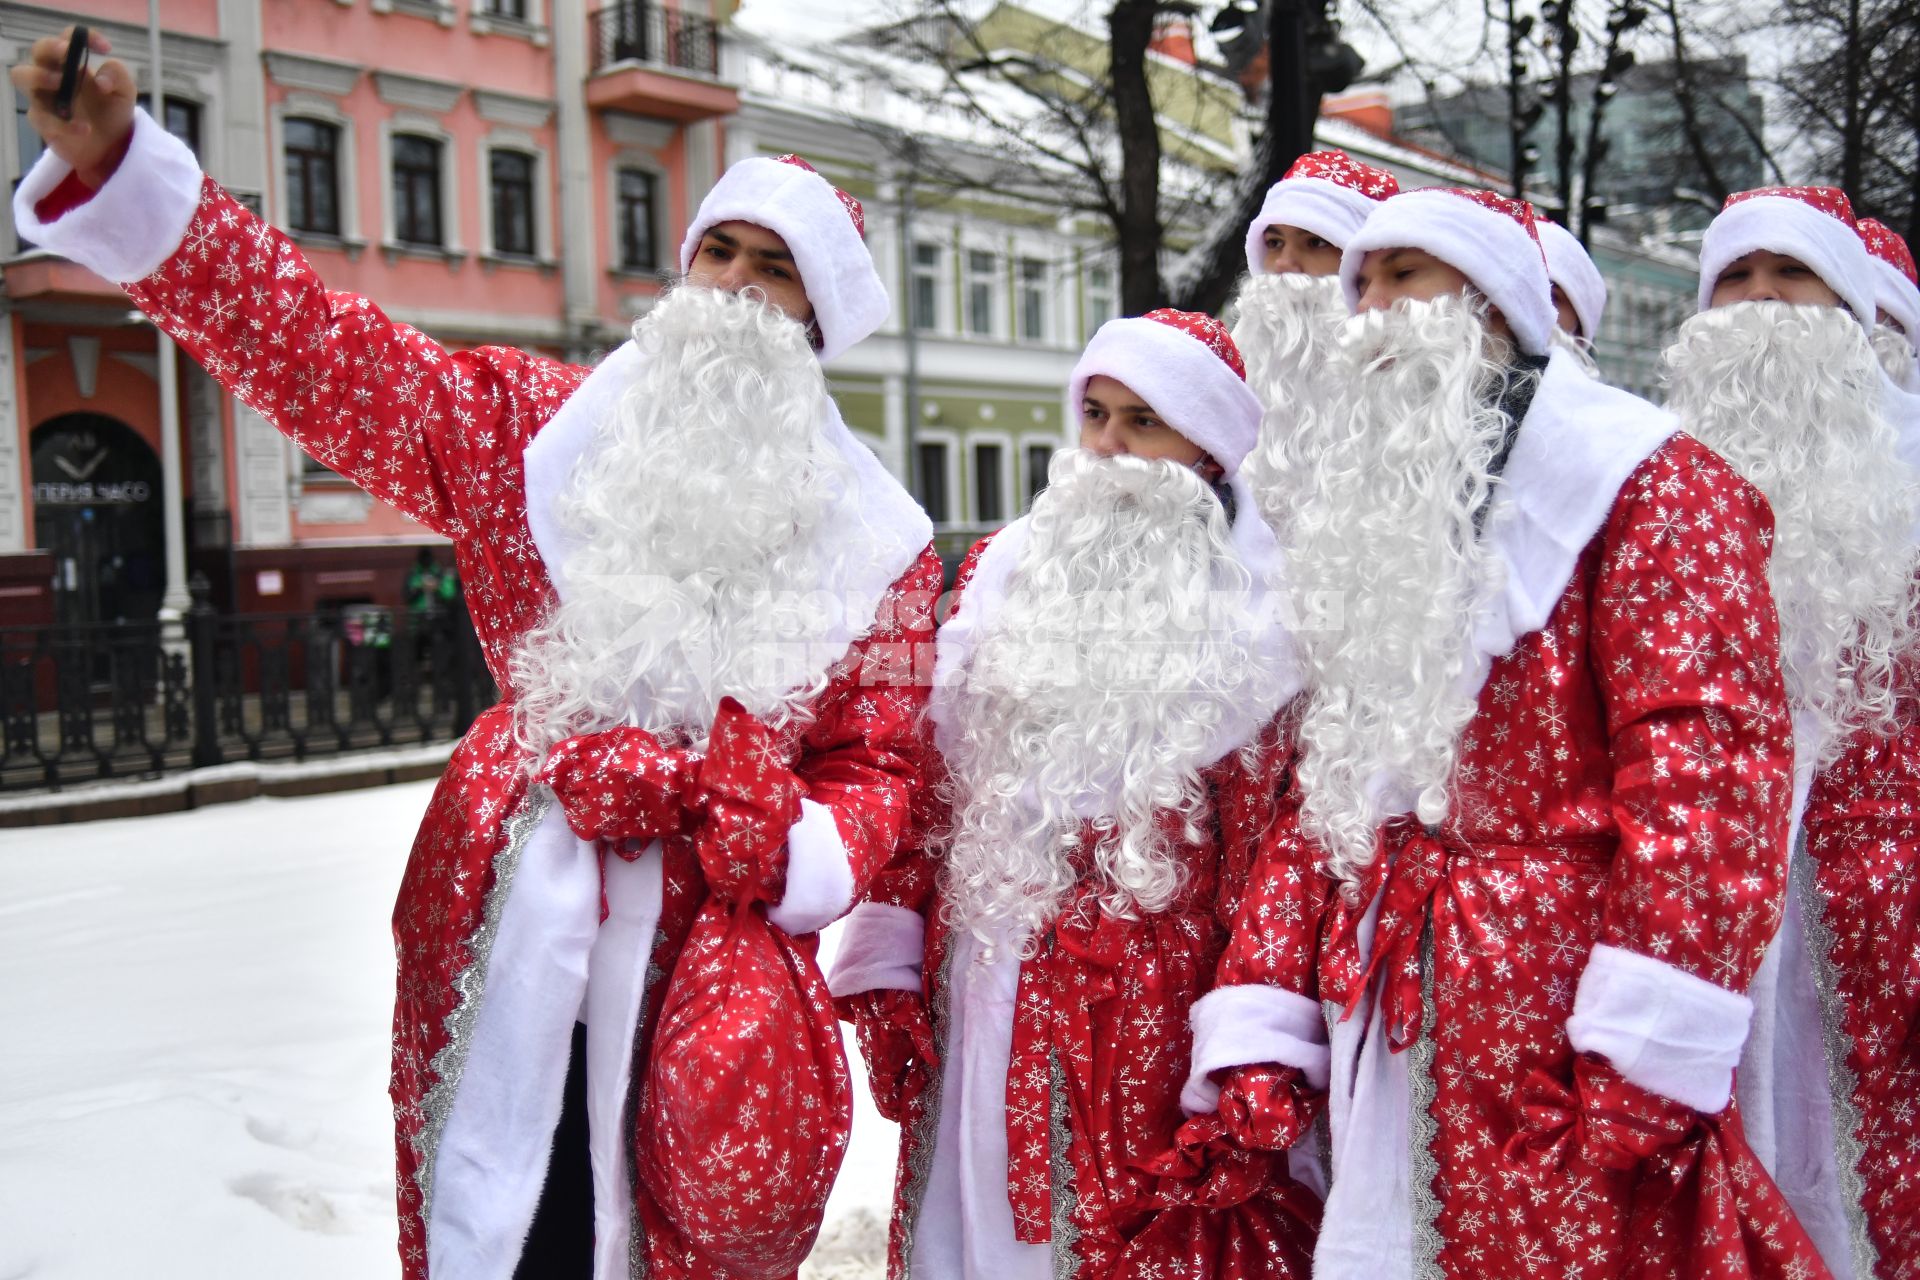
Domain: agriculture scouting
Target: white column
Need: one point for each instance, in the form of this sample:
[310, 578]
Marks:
[13, 475]
[584, 253]
[175, 601]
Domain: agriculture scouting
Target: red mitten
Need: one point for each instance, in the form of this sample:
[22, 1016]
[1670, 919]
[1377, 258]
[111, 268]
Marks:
[1227, 1152]
[753, 800]
[1225, 1204]
[896, 1040]
[1603, 1119]
[622, 784]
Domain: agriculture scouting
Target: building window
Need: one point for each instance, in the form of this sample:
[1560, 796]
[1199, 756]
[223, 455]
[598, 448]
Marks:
[1033, 299]
[926, 286]
[183, 119]
[636, 200]
[989, 498]
[982, 268]
[512, 10]
[511, 176]
[933, 480]
[1100, 304]
[416, 190]
[1039, 457]
[313, 175]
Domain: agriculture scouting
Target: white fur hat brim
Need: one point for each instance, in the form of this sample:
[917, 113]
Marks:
[799, 206]
[1572, 268]
[1327, 209]
[1899, 297]
[1782, 224]
[1183, 381]
[1494, 252]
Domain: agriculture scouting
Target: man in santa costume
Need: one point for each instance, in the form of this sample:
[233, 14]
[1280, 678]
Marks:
[1776, 373]
[1579, 292]
[1544, 764]
[626, 535]
[1289, 311]
[1105, 696]
[1896, 295]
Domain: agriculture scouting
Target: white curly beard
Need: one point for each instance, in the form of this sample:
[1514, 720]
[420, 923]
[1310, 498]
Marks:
[1288, 330]
[1792, 397]
[1895, 353]
[693, 519]
[1097, 689]
[1387, 526]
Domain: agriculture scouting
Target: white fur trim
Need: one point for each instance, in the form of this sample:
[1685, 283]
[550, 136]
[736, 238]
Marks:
[965, 1230]
[616, 989]
[1259, 553]
[819, 874]
[849, 301]
[1782, 224]
[1489, 248]
[1327, 209]
[493, 1154]
[875, 507]
[1366, 1225]
[1662, 1028]
[1786, 1104]
[132, 224]
[882, 948]
[1252, 1025]
[1579, 443]
[1572, 268]
[1181, 378]
[1899, 297]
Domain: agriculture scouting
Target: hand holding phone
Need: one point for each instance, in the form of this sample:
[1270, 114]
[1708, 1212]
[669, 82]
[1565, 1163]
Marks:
[84, 113]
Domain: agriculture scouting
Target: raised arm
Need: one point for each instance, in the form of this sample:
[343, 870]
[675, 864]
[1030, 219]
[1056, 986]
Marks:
[379, 402]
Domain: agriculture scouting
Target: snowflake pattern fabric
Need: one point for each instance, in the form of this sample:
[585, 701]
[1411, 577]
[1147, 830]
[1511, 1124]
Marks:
[1625, 781]
[1862, 829]
[440, 436]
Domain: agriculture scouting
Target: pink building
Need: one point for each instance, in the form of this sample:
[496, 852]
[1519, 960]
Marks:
[491, 171]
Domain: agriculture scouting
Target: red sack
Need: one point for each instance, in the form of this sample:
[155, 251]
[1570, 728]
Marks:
[748, 1104]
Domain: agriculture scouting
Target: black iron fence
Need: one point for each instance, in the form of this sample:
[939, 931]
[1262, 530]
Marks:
[119, 701]
[644, 31]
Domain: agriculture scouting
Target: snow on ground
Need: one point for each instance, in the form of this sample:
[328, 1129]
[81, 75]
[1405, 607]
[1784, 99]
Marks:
[194, 1055]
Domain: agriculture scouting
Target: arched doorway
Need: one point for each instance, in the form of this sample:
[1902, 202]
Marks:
[97, 509]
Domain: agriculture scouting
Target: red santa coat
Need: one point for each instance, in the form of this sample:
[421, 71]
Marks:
[1057, 1079]
[1606, 881]
[497, 928]
[1830, 1077]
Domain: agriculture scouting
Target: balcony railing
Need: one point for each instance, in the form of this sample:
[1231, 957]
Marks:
[641, 31]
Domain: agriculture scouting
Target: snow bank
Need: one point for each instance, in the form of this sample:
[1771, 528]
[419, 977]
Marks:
[193, 1071]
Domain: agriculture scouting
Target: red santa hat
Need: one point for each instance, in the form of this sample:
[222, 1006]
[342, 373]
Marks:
[1326, 192]
[1184, 365]
[1489, 238]
[1570, 267]
[823, 226]
[1895, 290]
[1813, 224]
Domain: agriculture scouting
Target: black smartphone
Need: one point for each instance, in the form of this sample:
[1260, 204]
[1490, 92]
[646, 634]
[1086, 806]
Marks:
[71, 73]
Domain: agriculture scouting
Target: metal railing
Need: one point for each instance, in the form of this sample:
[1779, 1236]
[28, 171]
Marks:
[111, 700]
[644, 31]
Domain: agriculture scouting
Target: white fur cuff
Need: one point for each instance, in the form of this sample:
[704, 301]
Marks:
[1251, 1025]
[134, 223]
[1662, 1028]
[881, 949]
[819, 875]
